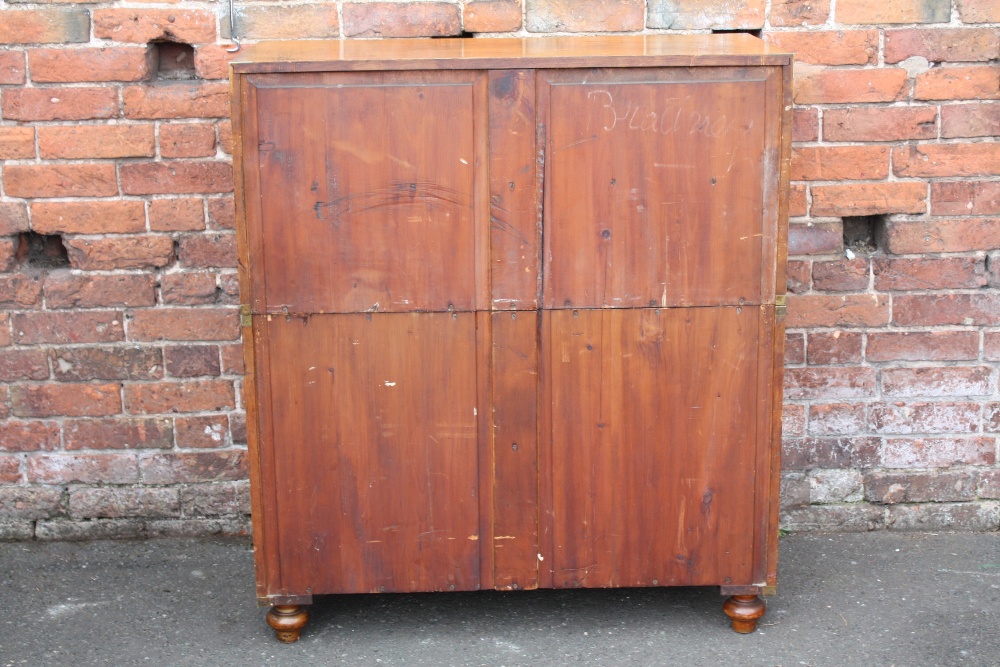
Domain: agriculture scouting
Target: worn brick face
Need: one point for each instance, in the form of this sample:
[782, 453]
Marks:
[838, 86]
[76, 65]
[17, 143]
[44, 26]
[176, 177]
[90, 217]
[96, 141]
[119, 433]
[833, 47]
[492, 15]
[682, 15]
[592, 15]
[284, 22]
[142, 26]
[403, 19]
[41, 104]
[169, 397]
[880, 123]
[73, 400]
[125, 252]
[60, 180]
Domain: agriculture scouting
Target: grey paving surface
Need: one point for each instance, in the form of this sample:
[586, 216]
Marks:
[854, 599]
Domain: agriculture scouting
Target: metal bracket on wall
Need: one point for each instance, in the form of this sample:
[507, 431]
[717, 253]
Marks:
[780, 307]
[232, 31]
[245, 319]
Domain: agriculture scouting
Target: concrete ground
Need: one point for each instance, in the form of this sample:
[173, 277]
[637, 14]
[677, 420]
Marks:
[848, 599]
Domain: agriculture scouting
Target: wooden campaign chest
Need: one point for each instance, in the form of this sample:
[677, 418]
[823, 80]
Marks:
[513, 314]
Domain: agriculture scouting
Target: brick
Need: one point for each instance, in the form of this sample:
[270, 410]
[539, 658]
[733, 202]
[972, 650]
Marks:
[818, 85]
[906, 418]
[29, 364]
[232, 359]
[28, 436]
[970, 120]
[10, 473]
[222, 212]
[187, 140]
[116, 468]
[916, 487]
[190, 467]
[197, 528]
[797, 204]
[290, 22]
[203, 432]
[71, 400]
[116, 503]
[492, 16]
[401, 19]
[124, 252]
[829, 383]
[869, 198]
[13, 218]
[793, 420]
[177, 324]
[176, 215]
[44, 26]
[8, 254]
[591, 15]
[205, 100]
[829, 47]
[20, 291]
[192, 360]
[834, 347]
[818, 238]
[857, 12]
[229, 289]
[938, 452]
[805, 125]
[848, 518]
[795, 349]
[836, 418]
[922, 346]
[60, 180]
[942, 44]
[799, 12]
[177, 176]
[852, 310]
[208, 250]
[214, 499]
[238, 427]
[927, 274]
[841, 275]
[991, 345]
[837, 163]
[91, 217]
[168, 397]
[17, 143]
[12, 67]
[30, 502]
[119, 433]
[809, 453]
[188, 288]
[211, 61]
[96, 141]
[226, 136]
[880, 123]
[943, 309]
[92, 326]
[989, 484]
[36, 104]
[90, 65]
[961, 235]
[958, 83]
[90, 529]
[682, 15]
[142, 26]
[937, 381]
[834, 486]
[978, 11]
[107, 363]
[65, 290]
[944, 516]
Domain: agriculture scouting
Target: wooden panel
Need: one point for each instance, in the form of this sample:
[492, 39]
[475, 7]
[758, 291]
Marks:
[653, 187]
[515, 488]
[515, 229]
[369, 190]
[374, 452]
[653, 445]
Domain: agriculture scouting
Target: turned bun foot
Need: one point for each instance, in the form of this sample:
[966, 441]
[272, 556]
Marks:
[287, 621]
[744, 611]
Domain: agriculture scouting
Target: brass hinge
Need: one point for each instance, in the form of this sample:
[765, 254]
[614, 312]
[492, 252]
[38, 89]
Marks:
[780, 307]
[245, 319]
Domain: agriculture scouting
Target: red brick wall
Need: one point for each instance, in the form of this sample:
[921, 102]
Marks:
[120, 406]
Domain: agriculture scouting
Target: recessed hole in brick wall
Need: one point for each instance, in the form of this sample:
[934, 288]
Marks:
[755, 33]
[862, 233]
[41, 250]
[173, 61]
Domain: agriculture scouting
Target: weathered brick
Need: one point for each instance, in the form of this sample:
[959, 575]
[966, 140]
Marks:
[17, 143]
[95, 326]
[682, 15]
[177, 324]
[869, 198]
[808, 453]
[834, 486]
[793, 420]
[142, 26]
[238, 427]
[96, 141]
[989, 484]
[834, 347]
[795, 349]
[906, 418]
[222, 212]
[199, 527]
[177, 215]
[176, 176]
[829, 47]
[8, 253]
[60, 180]
[124, 252]
[19, 291]
[805, 124]
[293, 22]
[107, 363]
[938, 381]
[918, 487]
[794, 490]
[852, 310]
[944, 309]
[836, 163]
[797, 204]
[214, 499]
[30, 502]
[71, 400]
[232, 359]
[931, 273]
[799, 12]
[991, 417]
[991, 345]
[116, 503]
[836, 418]
[819, 238]
[842, 275]
[90, 64]
[938, 452]
[857, 12]
[846, 518]
[587, 15]
[211, 61]
[119, 433]
[978, 11]
[829, 383]
[168, 397]
[226, 136]
[970, 120]
[13, 218]
[818, 85]
[187, 467]
[922, 346]
[181, 100]
[10, 473]
[66, 290]
[188, 289]
[983, 516]
[208, 250]
[961, 235]
[117, 468]
[942, 44]
[90, 529]
[492, 16]
[187, 140]
[958, 83]
[202, 432]
[12, 67]
[23, 364]
[91, 217]
[192, 360]
[44, 26]
[28, 436]
[401, 19]
[35, 104]
[880, 123]
[229, 289]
